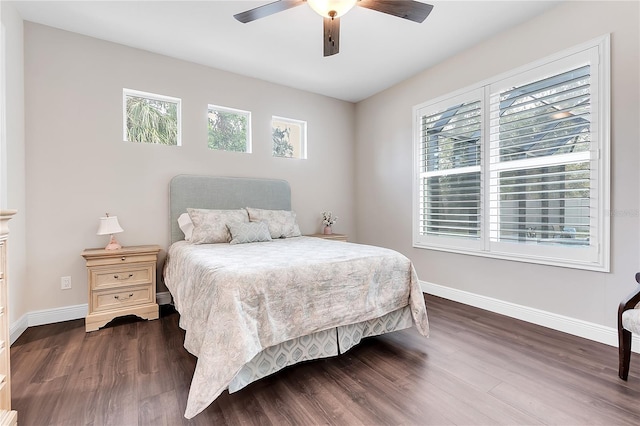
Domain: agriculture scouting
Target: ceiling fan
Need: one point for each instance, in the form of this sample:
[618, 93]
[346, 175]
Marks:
[332, 10]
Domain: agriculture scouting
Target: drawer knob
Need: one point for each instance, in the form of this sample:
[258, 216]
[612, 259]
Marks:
[117, 297]
[123, 258]
[117, 277]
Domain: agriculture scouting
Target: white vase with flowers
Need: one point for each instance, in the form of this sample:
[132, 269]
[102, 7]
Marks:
[328, 219]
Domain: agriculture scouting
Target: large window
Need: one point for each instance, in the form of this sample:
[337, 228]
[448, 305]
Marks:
[150, 118]
[517, 167]
[229, 129]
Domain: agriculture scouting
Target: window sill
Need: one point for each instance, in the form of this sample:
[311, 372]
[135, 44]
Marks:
[547, 261]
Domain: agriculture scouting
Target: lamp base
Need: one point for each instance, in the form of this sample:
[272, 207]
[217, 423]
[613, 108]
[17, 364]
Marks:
[113, 244]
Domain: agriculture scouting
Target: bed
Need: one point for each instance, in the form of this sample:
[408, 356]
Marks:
[249, 310]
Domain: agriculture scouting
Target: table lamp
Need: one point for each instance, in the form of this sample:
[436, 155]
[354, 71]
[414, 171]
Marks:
[108, 226]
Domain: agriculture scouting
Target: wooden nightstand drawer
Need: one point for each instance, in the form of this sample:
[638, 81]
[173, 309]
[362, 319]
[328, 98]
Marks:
[2, 259]
[122, 259]
[106, 300]
[113, 278]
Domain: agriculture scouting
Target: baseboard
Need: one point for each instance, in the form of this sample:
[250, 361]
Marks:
[576, 327]
[67, 313]
[49, 316]
[17, 328]
[46, 316]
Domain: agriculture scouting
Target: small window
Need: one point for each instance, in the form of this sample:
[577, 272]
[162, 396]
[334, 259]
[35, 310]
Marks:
[289, 137]
[151, 118]
[229, 129]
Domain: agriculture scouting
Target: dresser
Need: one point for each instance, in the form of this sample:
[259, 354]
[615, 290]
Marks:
[7, 416]
[121, 282]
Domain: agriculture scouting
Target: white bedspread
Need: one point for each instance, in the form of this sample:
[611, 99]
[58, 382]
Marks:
[236, 300]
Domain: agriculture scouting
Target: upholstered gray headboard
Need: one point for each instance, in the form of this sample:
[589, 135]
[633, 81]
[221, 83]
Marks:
[214, 192]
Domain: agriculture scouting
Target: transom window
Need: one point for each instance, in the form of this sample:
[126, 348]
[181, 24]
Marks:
[151, 118]
[229, 129]
[517, 167]
[289, 137]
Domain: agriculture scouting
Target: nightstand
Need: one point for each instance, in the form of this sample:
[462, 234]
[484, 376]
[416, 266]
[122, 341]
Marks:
[337, 237]
[121, 282]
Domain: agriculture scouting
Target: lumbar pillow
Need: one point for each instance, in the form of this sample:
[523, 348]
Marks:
[210, 226]
[282, 223]
[248, 232]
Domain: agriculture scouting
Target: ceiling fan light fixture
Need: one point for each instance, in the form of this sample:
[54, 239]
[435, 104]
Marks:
[331, 8]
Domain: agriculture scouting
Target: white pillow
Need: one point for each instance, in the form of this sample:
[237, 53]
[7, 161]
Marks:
[186, 226]
[282, 223]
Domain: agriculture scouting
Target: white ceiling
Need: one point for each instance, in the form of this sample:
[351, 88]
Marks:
[376, 50]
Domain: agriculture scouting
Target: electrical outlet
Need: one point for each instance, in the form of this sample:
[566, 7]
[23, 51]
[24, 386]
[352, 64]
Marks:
[65, 283]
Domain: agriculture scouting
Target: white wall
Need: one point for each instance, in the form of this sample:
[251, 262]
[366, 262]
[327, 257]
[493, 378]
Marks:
[14, 175]
[384, 165]
[78, 167]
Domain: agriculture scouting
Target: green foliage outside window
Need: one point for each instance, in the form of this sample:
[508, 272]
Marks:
[281, 145]
[151, 121]
[227, 131]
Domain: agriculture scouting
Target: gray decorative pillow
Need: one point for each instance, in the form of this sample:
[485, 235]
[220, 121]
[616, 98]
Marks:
[210, 226]
[250, 232]
[282, 223]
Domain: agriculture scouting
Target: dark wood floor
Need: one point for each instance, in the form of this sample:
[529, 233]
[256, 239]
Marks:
[476, 368]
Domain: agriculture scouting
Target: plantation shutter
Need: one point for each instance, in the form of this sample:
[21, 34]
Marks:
[450, 178]
[517, 167]
[542, 179]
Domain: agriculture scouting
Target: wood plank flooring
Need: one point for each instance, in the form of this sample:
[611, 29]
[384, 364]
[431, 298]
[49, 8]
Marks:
[477, 368]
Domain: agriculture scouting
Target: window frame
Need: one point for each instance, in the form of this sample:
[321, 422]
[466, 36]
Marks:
[598, 259]
[247, 114]
[157, 97]
[303, 136]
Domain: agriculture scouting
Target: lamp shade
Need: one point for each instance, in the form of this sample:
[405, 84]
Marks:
[324, 7]
[109, 225]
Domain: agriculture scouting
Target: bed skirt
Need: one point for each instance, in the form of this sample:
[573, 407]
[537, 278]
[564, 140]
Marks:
[322, 344]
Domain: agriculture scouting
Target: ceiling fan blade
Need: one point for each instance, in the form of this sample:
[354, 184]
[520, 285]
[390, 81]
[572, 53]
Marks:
[266, 10]
[331, 36]
[407, 9]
